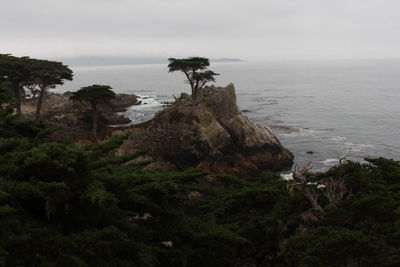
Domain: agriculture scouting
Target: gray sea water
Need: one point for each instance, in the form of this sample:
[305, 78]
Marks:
[342, 108]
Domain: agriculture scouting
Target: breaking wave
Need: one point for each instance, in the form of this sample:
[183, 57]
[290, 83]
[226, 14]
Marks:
[145, 109]
[357, 147]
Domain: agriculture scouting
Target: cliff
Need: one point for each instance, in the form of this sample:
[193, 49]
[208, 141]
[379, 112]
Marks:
[212, 136]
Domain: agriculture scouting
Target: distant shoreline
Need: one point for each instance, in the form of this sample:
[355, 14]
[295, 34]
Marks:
[120, 61]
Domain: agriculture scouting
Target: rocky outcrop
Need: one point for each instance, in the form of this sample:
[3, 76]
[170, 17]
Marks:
[123, 101]
[212, 135]
[57, 108]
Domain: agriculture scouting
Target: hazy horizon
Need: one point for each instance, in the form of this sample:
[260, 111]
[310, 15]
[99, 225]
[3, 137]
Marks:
[99, 61]
[251, 30]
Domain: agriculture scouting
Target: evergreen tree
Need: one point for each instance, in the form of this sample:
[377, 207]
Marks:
[95, 95]
[46, 75]
[16, 71]
[195, 71]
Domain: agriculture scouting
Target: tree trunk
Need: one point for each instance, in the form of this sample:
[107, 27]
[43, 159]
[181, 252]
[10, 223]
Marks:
[39, 104]
[194, 95]
[94, 121]
[192, 85]
[17, 94]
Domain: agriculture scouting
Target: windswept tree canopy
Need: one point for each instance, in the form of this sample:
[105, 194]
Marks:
[188, 64]
[10, 68]
[94, 94]
[16, 70]
[47, 74]
[195, 70]
[201, 78]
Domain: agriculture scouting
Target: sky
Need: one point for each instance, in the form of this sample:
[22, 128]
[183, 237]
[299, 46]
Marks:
[247, 29]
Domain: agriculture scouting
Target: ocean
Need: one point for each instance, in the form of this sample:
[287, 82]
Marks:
[320, 110]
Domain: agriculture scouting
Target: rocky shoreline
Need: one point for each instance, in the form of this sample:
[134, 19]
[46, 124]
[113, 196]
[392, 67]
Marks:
[57, 108]
[68, 118]
[213, 136]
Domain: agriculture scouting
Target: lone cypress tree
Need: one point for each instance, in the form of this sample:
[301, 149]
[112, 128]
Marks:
[195, 70]
[95, 95]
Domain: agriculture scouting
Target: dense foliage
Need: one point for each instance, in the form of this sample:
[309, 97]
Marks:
[363, 229]
[63, 205]
[68, 206]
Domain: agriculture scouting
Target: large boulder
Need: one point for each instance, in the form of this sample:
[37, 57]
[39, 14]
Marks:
[212, 135]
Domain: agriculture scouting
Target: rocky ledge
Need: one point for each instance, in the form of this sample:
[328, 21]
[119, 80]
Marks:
[57, 108]
[213, 136]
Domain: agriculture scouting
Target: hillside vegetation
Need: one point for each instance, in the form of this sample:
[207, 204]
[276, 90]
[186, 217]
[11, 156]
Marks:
[61, 205]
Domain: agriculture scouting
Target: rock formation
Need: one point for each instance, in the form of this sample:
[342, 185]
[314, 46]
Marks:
[212, 135]
[57, 108]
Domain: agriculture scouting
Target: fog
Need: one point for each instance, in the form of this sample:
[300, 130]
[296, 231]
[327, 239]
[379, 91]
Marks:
[251, 29]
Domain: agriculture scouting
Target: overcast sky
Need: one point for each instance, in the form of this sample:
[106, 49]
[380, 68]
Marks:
[248, 29]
